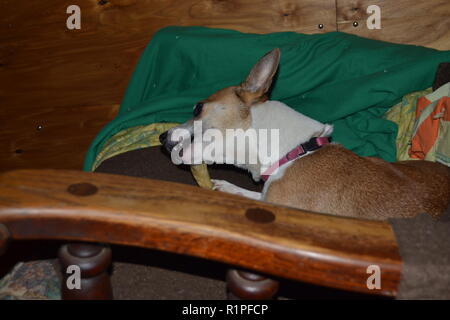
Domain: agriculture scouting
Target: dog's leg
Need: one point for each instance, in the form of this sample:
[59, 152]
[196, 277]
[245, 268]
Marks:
[225, 186]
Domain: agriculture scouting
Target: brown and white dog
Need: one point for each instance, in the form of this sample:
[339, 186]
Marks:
[312, 176]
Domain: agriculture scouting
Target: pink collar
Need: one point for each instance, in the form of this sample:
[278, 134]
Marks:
[311, 145]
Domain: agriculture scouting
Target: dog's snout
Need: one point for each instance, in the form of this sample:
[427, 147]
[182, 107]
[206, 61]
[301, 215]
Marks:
[179, 135]
[165, 140]
[163, 137]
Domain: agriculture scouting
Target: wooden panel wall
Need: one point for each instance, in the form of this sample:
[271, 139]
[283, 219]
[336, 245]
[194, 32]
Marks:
[58, 87]
[425, 23]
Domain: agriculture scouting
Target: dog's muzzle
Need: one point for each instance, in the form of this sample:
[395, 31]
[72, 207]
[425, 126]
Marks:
[163, 137]
[166, 142]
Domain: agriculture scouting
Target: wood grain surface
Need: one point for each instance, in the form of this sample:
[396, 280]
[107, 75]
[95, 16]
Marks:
[43, 137]
[75, 78]
[425, 23]
[274, 240]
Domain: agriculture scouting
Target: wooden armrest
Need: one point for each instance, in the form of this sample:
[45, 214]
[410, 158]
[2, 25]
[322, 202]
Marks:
[276, 240]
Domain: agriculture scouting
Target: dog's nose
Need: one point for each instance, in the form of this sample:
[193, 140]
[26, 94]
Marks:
[163, 137]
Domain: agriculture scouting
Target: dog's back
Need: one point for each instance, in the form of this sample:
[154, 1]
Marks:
[336, 181]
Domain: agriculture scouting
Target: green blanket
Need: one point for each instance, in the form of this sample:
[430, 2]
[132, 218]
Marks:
[335, 77]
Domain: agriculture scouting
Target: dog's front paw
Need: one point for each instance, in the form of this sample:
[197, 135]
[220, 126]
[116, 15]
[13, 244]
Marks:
[225, 186]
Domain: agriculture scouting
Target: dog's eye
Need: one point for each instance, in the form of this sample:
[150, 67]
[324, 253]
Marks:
[198, 109]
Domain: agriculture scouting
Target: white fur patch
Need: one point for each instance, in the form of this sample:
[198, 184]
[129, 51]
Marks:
[225, 186]
[294, 127]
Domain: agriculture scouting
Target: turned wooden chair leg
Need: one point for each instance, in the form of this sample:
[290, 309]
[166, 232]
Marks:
[85, 271]
[4, 238]
[249, 286]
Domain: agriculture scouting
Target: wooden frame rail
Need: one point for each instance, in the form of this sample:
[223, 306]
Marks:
[274, 240]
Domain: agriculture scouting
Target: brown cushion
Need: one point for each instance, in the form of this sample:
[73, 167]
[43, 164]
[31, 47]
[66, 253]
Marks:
[155, 163]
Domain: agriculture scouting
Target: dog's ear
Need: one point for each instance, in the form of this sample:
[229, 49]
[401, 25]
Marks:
[258, 81]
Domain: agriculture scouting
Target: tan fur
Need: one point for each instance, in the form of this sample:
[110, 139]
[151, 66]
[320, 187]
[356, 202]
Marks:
[251, 98]
[233, 112]
[336, 181]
